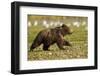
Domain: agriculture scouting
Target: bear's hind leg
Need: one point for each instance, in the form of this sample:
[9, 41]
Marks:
[45, 46]
[34, 45]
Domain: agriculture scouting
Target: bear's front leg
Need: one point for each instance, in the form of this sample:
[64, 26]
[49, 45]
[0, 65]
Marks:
[66, 43]
[60, 45]
[60, 41]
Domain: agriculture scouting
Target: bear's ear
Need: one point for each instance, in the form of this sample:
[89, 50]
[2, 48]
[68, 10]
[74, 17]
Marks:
[63, 25]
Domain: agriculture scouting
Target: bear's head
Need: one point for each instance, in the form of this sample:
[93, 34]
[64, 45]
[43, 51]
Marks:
[66, 29]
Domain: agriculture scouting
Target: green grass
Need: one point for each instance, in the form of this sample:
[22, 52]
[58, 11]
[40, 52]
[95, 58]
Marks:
[78, 50]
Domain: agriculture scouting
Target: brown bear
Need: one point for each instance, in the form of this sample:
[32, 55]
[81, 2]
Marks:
[48, 37]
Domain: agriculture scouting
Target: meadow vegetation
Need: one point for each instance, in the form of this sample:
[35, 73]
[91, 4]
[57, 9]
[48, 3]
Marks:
[78, 39]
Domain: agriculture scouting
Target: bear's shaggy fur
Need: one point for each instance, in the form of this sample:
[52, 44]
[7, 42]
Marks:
[48, 37]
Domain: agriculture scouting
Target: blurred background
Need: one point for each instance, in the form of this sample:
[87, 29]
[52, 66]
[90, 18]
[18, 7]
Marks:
[52, 21]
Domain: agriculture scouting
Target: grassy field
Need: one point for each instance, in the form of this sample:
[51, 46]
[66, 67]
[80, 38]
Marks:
[78, 50]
